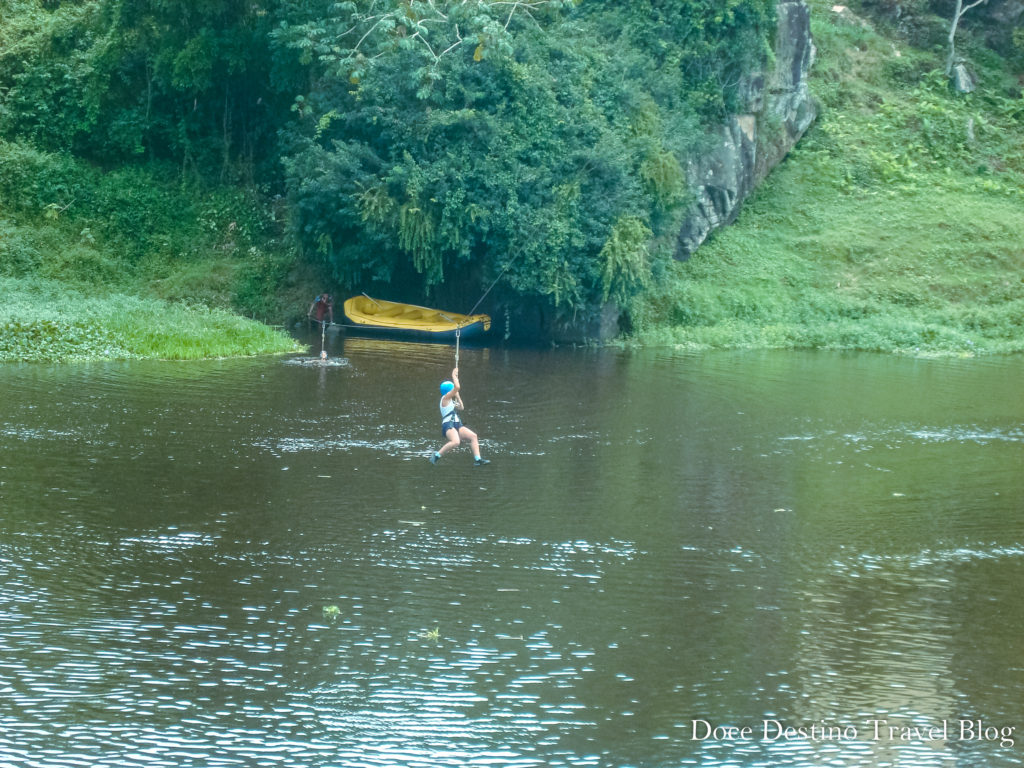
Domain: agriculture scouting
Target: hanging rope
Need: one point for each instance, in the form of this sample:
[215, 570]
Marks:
[458, 333]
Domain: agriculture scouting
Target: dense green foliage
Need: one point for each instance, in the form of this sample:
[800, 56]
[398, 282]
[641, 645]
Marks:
[139, 231]
[535, 138]
[895, 225]
[113, 80]
[120, 122]
[425, 141]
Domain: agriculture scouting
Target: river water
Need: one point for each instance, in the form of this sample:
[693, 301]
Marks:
[252, 563]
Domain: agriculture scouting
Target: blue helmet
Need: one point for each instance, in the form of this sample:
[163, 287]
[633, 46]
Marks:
[446, 387]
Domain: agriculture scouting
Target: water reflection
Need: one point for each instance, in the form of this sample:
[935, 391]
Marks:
[808, 539]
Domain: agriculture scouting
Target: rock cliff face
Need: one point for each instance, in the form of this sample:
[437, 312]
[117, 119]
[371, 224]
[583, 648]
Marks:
[741, 153]
[749, 145]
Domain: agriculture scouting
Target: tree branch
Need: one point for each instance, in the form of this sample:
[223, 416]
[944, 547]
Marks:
[958, 13]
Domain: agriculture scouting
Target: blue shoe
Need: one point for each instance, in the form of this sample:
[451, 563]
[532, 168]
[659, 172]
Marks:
[434, 458]
[480, 462]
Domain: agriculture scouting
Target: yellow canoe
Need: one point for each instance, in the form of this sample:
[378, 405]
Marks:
[408, 320]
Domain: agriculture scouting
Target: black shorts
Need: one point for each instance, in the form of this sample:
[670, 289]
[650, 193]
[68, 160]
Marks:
[450, 425]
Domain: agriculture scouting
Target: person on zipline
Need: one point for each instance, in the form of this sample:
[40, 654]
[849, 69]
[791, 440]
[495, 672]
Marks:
[452, 427]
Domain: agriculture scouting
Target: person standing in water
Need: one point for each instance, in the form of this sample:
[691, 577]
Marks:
[452, 427]
[324, 306]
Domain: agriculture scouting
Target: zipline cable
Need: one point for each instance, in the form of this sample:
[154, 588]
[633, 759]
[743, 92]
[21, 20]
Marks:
[491, 286]
[458, 329]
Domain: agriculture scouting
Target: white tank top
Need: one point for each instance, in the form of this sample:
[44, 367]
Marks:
[447, 411]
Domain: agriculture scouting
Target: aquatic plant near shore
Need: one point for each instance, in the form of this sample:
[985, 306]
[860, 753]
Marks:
[47, 321]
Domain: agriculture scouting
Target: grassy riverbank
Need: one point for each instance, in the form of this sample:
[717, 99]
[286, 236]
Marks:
[132, 263]
[896, 225]
[48, 321]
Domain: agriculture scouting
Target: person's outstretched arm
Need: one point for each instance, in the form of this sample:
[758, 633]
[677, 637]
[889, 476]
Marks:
[456, 394]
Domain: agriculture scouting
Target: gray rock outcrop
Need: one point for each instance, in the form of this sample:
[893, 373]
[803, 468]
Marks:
[963, 81]
[778, 110]
[749, 145]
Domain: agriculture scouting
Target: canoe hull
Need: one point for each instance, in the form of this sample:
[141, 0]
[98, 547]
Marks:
[409, 321]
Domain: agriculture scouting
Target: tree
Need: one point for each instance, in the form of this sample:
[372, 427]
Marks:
[347, 38]
[120, 80]
[455, 141]
[958, 14]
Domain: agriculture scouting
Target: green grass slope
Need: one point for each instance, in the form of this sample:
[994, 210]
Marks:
[128, 263]
[46, 321]
[896, 225]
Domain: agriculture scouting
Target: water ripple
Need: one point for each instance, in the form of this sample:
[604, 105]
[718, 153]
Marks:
[664, 537]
